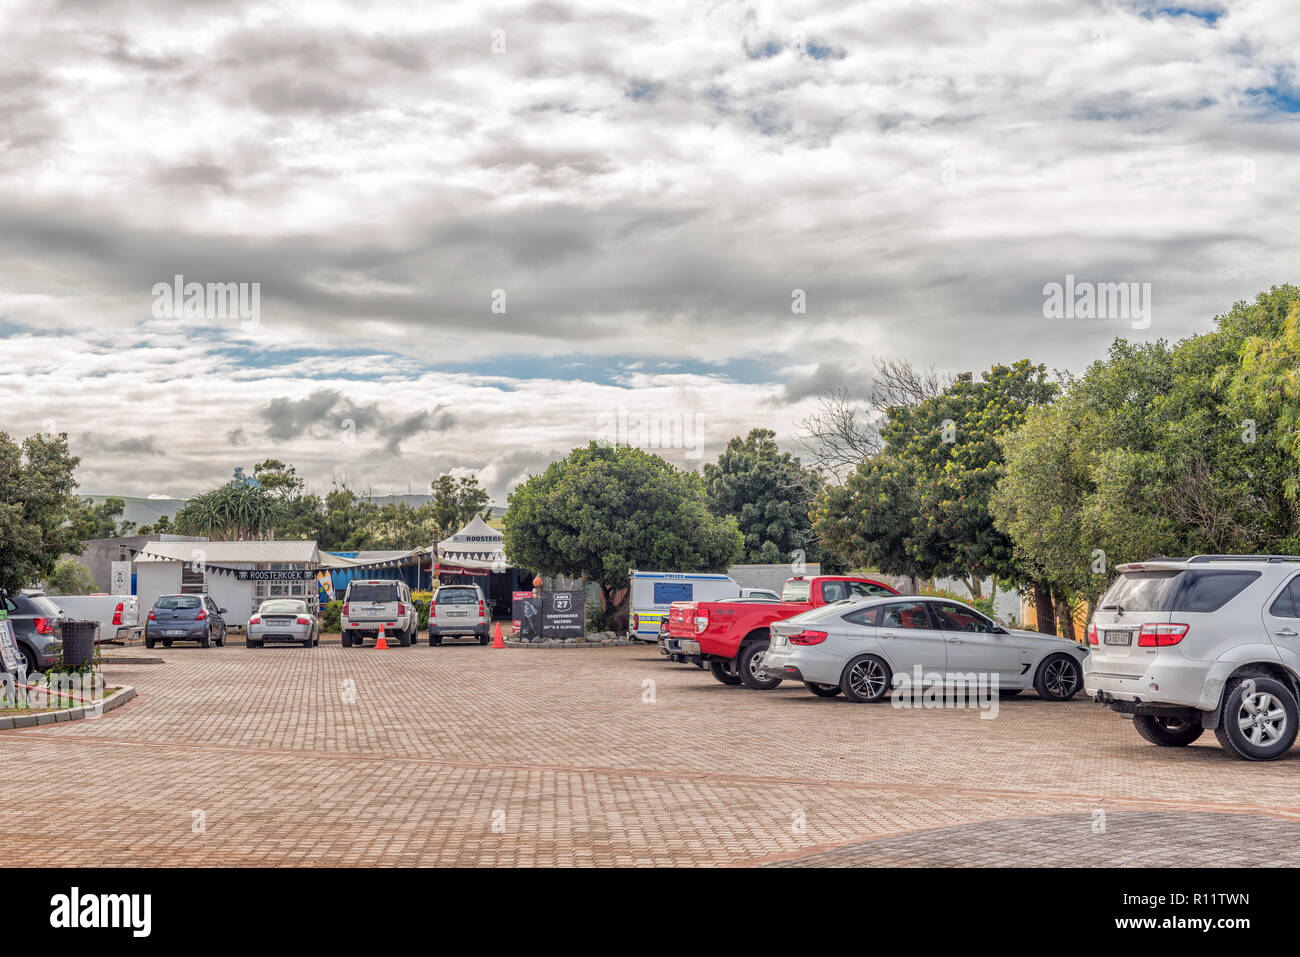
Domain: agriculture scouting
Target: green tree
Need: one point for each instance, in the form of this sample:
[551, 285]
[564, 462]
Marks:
[278, 478]
[70, 577]
[91, 521]
[36, 508]
[161, 526]
[604, 510]
[769, 493]
[455, 502]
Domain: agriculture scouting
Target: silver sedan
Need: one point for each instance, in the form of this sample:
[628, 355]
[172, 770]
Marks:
[866, 649]
[283, 619]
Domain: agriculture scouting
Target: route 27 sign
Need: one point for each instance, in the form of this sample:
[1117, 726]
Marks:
[564, 614]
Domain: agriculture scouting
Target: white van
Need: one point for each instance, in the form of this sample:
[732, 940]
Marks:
[118, 615]
[652, 593]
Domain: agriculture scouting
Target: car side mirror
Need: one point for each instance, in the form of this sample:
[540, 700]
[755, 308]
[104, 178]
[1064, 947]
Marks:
[999, 630]
[221, 611]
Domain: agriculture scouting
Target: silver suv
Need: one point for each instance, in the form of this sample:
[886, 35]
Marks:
[1182, 645]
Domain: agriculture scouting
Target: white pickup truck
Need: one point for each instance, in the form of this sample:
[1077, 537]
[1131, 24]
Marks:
[118, 615]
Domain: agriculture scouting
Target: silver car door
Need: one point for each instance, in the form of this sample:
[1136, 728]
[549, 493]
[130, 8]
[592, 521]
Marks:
[910, 639]
[974, 647]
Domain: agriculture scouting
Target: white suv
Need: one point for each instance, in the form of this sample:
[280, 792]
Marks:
[458, 610]
[1182, 645]
[372, 604]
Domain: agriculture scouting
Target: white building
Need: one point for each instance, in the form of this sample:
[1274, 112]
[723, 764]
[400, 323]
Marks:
[238, 575]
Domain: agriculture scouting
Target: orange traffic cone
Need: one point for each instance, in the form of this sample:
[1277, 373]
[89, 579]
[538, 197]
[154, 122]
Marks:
[497, 642]
[382, 642]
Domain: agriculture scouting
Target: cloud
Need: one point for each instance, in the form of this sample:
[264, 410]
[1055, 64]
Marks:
[92, 443]
[643, 185]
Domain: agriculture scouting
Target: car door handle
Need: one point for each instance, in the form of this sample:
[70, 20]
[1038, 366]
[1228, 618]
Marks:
[888, 634]
[954, 639]
[1287, 632]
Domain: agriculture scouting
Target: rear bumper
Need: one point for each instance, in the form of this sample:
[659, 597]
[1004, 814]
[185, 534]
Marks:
[802, 664]
[257, 634]
[190, 631]
[1169, 680]
[470, 628]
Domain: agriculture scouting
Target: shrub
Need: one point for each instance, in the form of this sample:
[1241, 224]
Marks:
[330, 616]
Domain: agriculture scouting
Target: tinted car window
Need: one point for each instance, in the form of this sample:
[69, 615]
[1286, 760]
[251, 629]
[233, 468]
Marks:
[41, 607]
[905, 614]
[834, 591]
[1211, 590]
[864, 616]
[1287, 604]
[377, 591]
[1143, 591]
[455, 596]
[178, 601]
[955, 617]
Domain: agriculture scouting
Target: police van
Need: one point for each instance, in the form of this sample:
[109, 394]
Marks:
[652, 593]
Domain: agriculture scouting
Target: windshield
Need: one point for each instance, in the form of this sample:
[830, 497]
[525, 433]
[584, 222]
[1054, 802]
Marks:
[178, 601]
[1142, 591]
[372, 591]
[282, 606]
[456, 596]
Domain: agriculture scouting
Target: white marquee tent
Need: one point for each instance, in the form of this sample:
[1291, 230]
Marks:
[478, 545]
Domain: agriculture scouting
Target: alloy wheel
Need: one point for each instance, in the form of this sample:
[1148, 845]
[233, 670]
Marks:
[867, 678]
[1262, 718]
[1060, 677]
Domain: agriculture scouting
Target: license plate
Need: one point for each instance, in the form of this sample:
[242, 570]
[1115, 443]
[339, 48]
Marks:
[1119, 637]
[690, 647]
[173, 631]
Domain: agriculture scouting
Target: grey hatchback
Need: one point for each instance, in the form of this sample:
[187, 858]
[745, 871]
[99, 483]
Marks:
[185, 618]
[35, 621]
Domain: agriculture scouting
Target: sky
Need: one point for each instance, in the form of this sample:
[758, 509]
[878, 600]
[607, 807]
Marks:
[485, 233]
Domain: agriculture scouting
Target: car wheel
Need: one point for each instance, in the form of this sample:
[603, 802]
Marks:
[346, 638]
[404, 639]
[252, 643]
[482, 639]
[167, 642]
[148, 642]
[205, 641]
[823, 691]
[866, 679]
[29, 658]
[1167, 731]
[1259, 719]
[724, 671]
[750, 667]
[1059, 678]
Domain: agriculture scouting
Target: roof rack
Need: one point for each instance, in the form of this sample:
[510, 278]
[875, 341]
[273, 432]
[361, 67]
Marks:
[1244, 558]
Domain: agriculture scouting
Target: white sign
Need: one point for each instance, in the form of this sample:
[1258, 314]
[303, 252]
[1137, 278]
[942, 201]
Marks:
[121, 579]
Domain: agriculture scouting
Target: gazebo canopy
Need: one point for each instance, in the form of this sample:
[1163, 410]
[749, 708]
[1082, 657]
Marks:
[477, 545]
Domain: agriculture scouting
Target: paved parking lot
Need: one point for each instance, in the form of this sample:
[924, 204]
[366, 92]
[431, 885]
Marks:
[466, 755]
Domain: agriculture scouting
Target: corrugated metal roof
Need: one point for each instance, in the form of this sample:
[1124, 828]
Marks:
[296, 552]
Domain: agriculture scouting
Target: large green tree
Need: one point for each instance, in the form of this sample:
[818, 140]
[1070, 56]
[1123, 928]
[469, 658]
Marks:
[36, 508]
[236, 510]
[769, 493]
[90, 521]
[920, 507]
[604, 510]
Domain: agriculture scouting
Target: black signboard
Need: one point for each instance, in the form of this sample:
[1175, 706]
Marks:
[557, 614]
[564, 614]
[289, 575]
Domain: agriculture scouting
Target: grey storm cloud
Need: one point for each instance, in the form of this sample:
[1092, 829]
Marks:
[327, 412]
[854, 382]
[136, 445]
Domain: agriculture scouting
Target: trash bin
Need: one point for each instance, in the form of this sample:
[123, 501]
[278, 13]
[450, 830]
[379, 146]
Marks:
[79, 642]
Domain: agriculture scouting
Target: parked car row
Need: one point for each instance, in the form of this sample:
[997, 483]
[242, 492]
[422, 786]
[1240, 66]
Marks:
[1178, 645]
[455, 610]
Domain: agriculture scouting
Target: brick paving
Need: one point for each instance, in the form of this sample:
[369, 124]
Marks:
[465, 755]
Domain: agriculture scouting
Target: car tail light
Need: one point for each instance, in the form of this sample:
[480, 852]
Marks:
[808, 638]
[44, 626]
[303, 621]
[255, 620]
[1158, 636]
[202, 615]
[636, 622]
[701, 622]
[152, 616]
[117, 614]
[481, 610]
[1092, 633]
[346, 613]
[401, 610]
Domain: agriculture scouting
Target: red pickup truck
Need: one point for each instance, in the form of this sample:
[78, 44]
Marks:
[731, 636]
